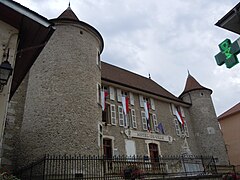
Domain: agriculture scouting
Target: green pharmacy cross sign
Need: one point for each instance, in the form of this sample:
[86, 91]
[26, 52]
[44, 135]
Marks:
[229, 52]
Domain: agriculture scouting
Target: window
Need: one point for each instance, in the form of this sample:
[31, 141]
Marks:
[98, 93]
[131, 98]
[181, 130]
[144, 121]
[120, 116]
[152, 104]
[134, 121]
[107, 148]
[111, 91]
[98, 59]
[177, 127]
[119, 95]
[173, 108]
[113, 114]
[182, 111]
[106, 115]
[141, 101]
[186, 129]
[155, 125]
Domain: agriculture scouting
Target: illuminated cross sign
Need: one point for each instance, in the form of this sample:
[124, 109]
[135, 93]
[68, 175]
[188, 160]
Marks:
[228, 54]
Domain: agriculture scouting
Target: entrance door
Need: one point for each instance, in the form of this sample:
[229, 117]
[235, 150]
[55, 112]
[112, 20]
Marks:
[154, 155]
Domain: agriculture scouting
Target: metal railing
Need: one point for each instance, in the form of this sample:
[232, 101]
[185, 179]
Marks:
[118, 167]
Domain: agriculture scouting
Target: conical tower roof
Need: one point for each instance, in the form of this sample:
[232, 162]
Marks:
[69, 17]
[68, 14]
[192, 84]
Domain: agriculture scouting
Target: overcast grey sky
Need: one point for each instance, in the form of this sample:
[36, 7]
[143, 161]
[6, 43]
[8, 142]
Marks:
[163, 38]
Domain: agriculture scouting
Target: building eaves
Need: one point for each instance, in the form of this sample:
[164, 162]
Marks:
[235, 109]
[230, 21]
[34, 32]
[129, 79]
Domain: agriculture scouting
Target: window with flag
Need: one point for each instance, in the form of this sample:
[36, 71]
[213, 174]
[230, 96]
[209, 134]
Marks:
[113, 114]
[150, 102]
[120, 116]
[134, 121]
[144, 120]
[106, 117]
[104, 95]
[177, 127]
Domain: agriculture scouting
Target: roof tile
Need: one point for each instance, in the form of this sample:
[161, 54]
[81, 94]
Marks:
[68, 14]
[123, 77]
[192, 84]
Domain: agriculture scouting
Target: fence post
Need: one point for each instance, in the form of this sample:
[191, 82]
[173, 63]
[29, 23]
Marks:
[182, 157]
[204, 168]
[31, 172]
[215, 167]
[44, 165]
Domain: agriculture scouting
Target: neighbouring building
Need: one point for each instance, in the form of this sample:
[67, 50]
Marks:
[230, 123]
[23, 34]
[76, 104]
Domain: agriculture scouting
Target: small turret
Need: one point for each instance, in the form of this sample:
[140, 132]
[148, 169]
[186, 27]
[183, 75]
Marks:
[204, 120]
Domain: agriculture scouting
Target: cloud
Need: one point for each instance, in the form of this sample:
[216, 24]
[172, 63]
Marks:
[164, 38]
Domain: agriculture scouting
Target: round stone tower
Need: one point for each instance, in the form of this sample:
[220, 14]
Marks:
[204, 120]
[62, 112]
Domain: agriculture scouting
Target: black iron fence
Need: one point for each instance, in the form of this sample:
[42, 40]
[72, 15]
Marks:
[118, 167]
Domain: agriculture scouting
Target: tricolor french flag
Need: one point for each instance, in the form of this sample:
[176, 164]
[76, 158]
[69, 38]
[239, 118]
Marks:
[179, 117]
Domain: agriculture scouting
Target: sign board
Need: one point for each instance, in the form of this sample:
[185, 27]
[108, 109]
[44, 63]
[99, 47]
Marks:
[147, 135]
[228, 53]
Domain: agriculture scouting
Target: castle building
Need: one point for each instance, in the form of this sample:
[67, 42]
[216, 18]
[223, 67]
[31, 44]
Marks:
[76, 104]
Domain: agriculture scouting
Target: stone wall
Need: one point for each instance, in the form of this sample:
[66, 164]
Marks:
[61, 113]
[206, 129]
[164, 115]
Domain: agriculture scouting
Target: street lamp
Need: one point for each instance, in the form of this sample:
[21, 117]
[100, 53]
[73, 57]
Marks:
[5, 72]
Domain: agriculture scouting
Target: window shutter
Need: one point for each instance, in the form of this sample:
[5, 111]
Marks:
[131, 98]
[182, 112]
[186, 128]
[173, 109]
[120, 115]
[119, 95]
[155, 122]
[141, 101]
[111, 91]
[144, 121]
[113, 114]
[134, 121]
[177, 127]
[98, 92]
[152, 104]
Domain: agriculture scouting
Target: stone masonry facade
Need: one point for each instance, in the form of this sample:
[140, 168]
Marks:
[58, 108]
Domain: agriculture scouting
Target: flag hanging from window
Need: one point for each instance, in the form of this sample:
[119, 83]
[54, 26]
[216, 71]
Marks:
[160, 128]
[103, 99]
[146, 108]
[125, 105]
[179, 117]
